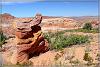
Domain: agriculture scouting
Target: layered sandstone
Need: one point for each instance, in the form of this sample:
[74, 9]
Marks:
[29, 40]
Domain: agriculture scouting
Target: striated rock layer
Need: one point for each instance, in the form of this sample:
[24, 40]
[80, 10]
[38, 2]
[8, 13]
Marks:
[29, 40]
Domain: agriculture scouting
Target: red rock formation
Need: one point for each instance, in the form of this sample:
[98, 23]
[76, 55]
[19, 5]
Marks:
[5, 22]
[6, 16]
[29, 40]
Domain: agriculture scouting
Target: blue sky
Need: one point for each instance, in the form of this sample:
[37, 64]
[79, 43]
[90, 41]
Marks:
[64, 8]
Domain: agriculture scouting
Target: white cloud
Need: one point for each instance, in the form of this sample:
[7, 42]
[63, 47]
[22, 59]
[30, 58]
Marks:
[20, 0]
[7, 3]
[11, 2]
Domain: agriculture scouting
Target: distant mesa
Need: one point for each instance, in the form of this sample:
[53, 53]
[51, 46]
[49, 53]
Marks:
[7, 16]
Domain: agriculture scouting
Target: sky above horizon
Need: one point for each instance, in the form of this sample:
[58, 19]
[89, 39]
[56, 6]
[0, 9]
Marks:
[51, 8]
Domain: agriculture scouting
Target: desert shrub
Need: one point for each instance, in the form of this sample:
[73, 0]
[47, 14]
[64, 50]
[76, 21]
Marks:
[57, 56]
[59, 41]
[75, 62]
[88, 58]
[87, 26]
[2, 39]
[98, 57]
[25, 64]
[76, 39]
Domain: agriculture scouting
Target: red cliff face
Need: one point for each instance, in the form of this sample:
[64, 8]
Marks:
[6, 20]
[6, 17]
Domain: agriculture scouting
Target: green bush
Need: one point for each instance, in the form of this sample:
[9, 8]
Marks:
[87, 26]
[59, 41]
[2, 39]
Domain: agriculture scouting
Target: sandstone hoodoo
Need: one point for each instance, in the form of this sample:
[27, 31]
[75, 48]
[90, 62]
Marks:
[29, 40]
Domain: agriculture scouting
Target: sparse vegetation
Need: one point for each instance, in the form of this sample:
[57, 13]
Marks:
[75, 62]
[87, 26]
[28, 64]
[57, 56]
[2, 39]
[89, 29]
[59, 41]
[83, 30]
[98, 57]
[88, 58]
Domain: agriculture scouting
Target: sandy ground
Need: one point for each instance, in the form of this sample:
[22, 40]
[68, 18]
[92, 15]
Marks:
[65, 55]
